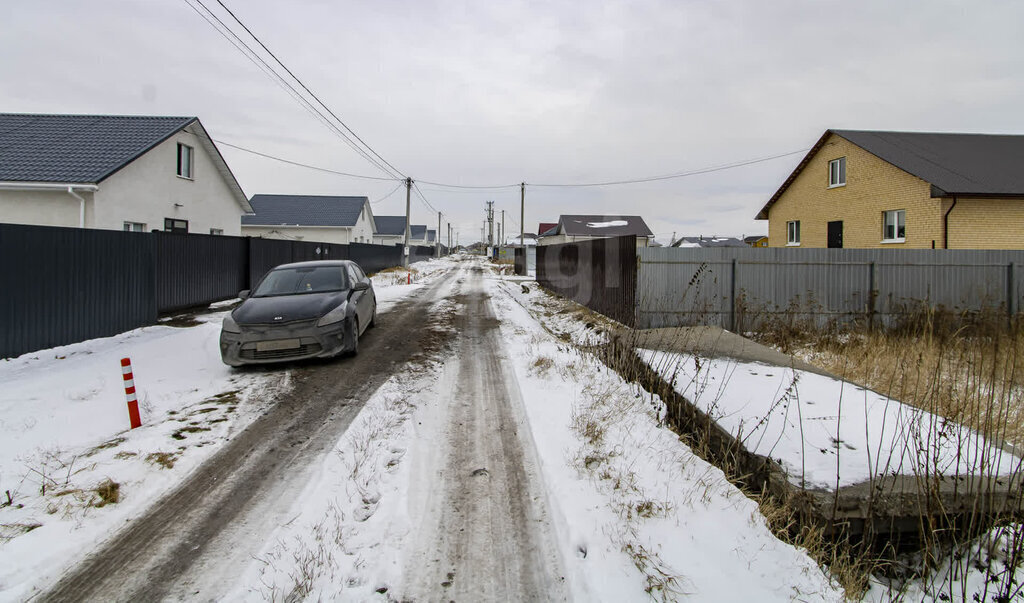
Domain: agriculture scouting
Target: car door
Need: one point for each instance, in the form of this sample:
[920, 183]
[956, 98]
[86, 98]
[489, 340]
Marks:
[368, 303]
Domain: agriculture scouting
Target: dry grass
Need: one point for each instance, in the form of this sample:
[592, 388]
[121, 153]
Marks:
[164, 459]
[971, 375]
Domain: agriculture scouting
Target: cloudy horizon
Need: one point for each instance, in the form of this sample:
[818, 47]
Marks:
[501, 93]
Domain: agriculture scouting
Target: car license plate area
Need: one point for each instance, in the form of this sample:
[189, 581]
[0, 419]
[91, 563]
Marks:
[277, 344]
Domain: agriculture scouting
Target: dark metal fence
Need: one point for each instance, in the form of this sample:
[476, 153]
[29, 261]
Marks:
[64, 285]
[600, 274]
[520, 261]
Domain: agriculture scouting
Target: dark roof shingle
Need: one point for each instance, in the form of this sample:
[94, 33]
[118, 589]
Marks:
[77, 148]
[603, 226]
[967, 164]
[389, 225]
[304, 210]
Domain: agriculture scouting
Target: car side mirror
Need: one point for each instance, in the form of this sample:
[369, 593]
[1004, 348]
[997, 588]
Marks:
[243, 294]
[361, 286]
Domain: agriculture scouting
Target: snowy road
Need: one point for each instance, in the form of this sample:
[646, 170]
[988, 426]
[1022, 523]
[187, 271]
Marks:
[187, 546]
[488, 535]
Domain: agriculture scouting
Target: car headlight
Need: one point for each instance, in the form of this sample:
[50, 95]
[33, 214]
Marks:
[335, 315]
[229, 325]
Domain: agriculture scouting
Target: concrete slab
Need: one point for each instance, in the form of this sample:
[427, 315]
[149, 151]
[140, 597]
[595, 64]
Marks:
[715, 342]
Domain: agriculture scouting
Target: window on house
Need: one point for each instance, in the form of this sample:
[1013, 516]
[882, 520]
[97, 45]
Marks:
[793, 232]
[216, 231]
[173, 225]
[837, 172]
[184, 161]
[894, 225]
[134, 227]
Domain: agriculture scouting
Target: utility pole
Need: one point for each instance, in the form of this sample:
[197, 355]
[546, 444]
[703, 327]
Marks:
[437, 235]
[449, 225]
[490, 223]
[522, 215]
[503, 235]
[405, 246]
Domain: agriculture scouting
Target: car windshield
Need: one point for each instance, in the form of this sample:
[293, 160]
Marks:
[296, 281]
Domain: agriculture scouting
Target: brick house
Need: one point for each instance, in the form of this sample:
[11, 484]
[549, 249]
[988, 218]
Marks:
[902, 190]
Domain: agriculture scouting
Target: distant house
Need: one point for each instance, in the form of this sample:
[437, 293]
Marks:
[582, 228]
[389, 230]
[902, 190]
[545, 227]
[701, 241]
[116, 172]
[529, 237]
[756, 241]
[324, 218]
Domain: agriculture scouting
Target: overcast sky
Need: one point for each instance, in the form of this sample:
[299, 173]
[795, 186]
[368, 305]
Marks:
[485, 93]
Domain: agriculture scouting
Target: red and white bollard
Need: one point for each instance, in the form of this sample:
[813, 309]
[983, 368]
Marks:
[129, 393]
[409, 280]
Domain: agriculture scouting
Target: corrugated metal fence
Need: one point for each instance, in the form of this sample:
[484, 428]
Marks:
[600, 274]
[64, 285]
[736, 287]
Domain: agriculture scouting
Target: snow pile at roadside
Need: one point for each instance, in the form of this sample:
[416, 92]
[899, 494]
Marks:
[64, 431]
[823, 429]
[635, 509]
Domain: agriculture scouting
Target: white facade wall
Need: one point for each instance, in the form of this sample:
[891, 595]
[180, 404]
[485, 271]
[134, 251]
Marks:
[44, 208]
[380, 239]
[145, 191]
[149, 189]
[361, 232]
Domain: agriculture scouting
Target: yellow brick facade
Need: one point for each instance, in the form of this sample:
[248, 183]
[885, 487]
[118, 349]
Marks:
[874, 186]
[986, 224]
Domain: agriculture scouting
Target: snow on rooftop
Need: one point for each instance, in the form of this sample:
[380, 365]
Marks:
[607, 224]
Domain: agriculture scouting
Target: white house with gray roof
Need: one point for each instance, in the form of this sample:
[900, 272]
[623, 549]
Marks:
[321, 218]
[116, 172]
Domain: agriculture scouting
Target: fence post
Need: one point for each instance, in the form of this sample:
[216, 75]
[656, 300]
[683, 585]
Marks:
[1011, 294]
[872, 294]
[732, 296]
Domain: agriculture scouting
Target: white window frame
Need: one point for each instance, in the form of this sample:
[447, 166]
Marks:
[899, 217]
[793, 233]
[134, 226]
[217, 231]
[186, 160]
[837, 172]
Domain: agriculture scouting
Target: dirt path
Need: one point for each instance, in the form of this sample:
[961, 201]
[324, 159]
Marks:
[188, 545]
[486, 534]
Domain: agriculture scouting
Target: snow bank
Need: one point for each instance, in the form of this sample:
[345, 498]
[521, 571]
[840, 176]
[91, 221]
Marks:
[824, 430]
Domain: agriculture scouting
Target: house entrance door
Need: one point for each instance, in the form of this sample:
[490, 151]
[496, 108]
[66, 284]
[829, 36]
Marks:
[835, 234]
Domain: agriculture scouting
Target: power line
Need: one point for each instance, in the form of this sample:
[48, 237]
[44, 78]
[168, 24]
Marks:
[393, 191]
[718, 168]
[253, 56]
[516, 185]
[419, 193]
[305, 165]
[304, 87]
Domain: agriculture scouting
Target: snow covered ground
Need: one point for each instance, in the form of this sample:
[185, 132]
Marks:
[64, 431]
[826, 431]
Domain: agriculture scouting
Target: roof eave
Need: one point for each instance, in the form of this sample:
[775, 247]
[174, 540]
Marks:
[763, 214]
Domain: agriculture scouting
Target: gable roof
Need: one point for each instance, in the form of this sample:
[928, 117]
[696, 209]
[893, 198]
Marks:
[417, 231]
[980, 165]
[709, 242]
[389, 225]
[304, 210]
[602, 226]
[546, 226]
[431, 234]
[87, 149]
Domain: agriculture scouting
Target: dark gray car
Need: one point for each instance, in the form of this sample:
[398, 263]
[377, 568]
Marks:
[302, 310]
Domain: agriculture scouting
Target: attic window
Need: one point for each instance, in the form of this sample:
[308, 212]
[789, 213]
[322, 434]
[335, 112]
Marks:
[837, 172]
[184, 161]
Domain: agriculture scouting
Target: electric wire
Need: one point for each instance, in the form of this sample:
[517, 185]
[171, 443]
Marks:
[304, 87]
[707, 170]
[393, 191]
[305, 165]
[253, 56]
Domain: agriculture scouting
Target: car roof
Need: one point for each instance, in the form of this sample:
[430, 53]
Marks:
[315, 263]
